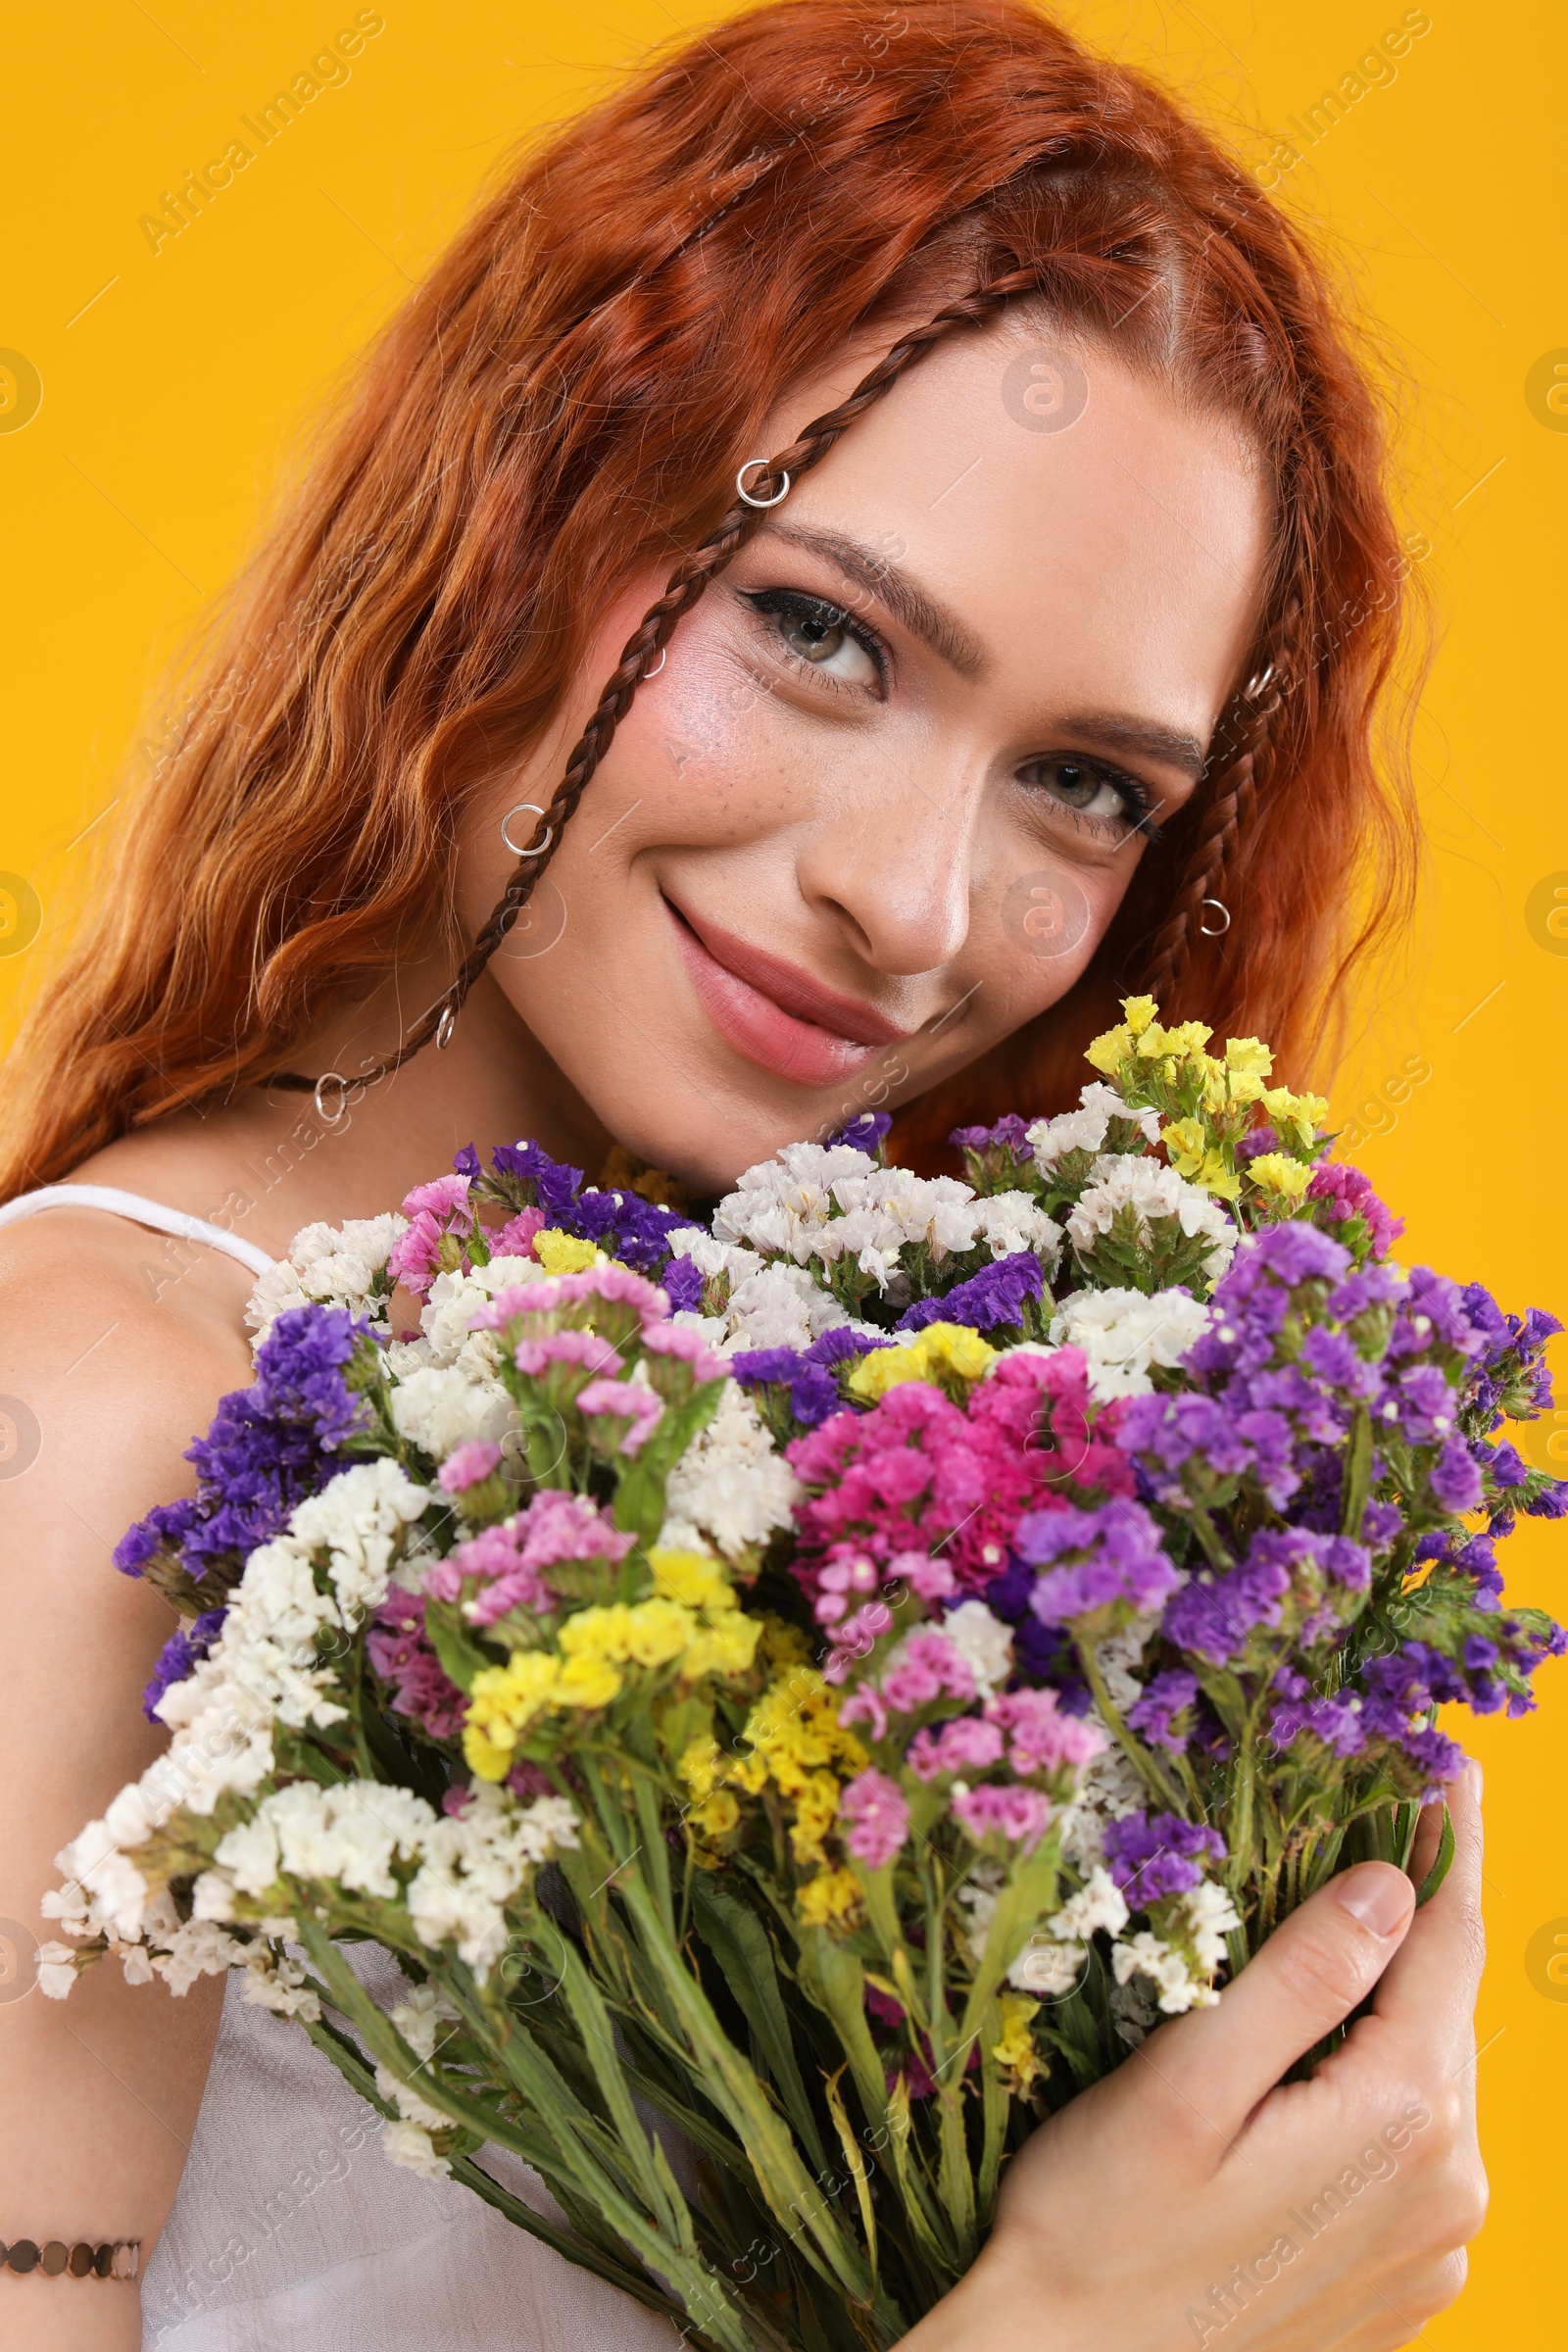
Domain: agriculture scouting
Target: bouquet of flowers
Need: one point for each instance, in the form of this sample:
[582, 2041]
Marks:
[801, 1693]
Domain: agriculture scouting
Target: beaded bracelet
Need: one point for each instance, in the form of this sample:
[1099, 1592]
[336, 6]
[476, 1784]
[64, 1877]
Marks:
[82, 2261]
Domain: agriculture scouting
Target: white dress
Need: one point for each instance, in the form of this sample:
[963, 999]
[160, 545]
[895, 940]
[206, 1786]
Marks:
[290, 2231]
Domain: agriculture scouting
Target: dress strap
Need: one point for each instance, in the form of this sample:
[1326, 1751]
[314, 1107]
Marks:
[140, 1211]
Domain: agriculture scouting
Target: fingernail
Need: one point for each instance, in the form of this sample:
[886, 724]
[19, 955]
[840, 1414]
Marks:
[1478, 1781]
[1377, 1899]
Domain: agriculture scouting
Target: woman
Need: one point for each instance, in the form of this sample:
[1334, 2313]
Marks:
[1021, 516]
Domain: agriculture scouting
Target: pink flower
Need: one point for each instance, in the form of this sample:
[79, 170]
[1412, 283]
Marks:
[434, 1210]
[689, 1346]
[442, 1198]
[877, 1814]
[510, 1560]
[1043, 1738]
[966, 1743]
[1017, 1814]
[469, 1465]
[928, 1666]
[612, 1283]
[515, 1239]
[584, 1347]
[623, 1399]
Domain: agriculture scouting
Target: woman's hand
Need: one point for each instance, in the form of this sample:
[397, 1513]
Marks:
[1191, 2199]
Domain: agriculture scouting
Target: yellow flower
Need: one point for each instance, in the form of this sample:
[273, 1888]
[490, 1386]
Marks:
[831, 1899]
[1304, 1112]
[1281, 1178]
[1108, 1052]
[564, 1254]
[1014, 2053]
[587, 1683]
[727, 1648]
[1248, 1057]
[692, 1578]
[716, 1815]
[942, 1347]
[503, 1703]
[1139, 1012]
[698, 1765]
[1187, 1141]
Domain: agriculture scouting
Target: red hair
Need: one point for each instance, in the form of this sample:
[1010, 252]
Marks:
[565, 401]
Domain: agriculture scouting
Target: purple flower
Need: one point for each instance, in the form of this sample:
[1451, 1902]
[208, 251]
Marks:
[1111, 1560]
[1166, 1697]
[1455, 1478]
[865, 1133]
[876, 1815]
[1009, 1134]
[268, 1446]
[179, 1655]
[683, 1286]
[1149, 1855]
[813, 1390]
[987, 1301]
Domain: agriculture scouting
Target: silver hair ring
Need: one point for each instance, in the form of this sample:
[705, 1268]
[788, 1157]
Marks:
[1256, 683]
[444, 1028]
[742, 492]
[1214, 930]
[658, 666]
[533, 808]
[330, 1078]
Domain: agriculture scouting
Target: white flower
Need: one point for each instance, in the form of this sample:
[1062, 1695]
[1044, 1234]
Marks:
[1084, 1129]
[1180, 1967]
[326, 1264]
[56, 1970]
[1099, 1905]
[1121, 1179]
[983, 1642]
[1210, 1917]
[274, 1982]
[1013, 1221]
[885, 1209]
[446, 1334]
[714, 1257]
[774, 1307]
[475, 1861]
[731, 1489]
[1048, 1969]
[439, 1408]
[408, 2145]
[780, 1206]
[1121, 1333]
[198, 1949]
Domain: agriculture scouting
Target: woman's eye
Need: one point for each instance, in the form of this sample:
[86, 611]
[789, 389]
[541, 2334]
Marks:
[820, 634]
[1088, 791]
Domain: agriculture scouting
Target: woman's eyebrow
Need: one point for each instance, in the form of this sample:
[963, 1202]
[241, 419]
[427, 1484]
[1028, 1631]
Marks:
[1172, 747]
[933, 623]
[938, 628]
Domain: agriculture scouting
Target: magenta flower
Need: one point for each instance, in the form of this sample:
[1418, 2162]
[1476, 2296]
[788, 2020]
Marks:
[435, 1211]
[964, 1743]
[928, 1666]
[586, 1347]
[1041, 1738]
[401, 1654]
[876, 1817]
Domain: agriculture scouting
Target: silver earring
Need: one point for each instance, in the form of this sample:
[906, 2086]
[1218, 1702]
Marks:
[528, 808]
[1214, 930]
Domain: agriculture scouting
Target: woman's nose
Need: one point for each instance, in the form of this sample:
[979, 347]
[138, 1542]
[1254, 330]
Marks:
[893, 862]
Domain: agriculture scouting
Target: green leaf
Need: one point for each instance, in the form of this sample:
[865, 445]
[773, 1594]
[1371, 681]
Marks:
[740, 1943]
[460, 1654]
[639, 1507]
[1357, 1473]
[1440, 1868]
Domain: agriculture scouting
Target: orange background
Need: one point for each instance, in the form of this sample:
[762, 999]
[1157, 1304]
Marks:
[173, 385]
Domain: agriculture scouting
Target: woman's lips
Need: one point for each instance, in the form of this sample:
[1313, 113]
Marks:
[763, 1007]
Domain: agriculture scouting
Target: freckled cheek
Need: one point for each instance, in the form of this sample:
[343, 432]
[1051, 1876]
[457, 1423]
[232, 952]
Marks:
[707, 743]
[1037, 924]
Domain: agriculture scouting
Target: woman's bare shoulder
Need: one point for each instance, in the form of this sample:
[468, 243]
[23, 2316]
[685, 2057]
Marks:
[114, 1347]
